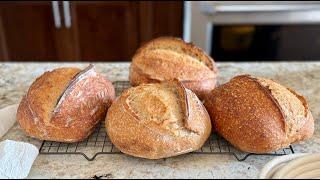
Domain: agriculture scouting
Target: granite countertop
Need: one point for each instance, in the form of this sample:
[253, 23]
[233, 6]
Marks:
[15, 78]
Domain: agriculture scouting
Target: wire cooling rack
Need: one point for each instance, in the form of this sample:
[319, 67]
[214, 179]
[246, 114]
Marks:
[99, 143]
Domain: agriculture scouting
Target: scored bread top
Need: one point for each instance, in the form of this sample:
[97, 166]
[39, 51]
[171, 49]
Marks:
[60, 97]
[259, 115]
[65, 104]
[42, 96]
[163, 104]
[158, 120]
[293, 106]
[171, 58]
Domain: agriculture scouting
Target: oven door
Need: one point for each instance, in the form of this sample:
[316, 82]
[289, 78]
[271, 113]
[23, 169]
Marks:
[207, 19]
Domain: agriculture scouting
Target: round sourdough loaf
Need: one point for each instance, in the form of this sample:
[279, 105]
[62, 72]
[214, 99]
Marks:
[168, 58]
[65, 104]
[259, 115]
[158, 120]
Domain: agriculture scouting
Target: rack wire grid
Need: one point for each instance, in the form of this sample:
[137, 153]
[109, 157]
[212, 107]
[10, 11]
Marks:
[99, 143]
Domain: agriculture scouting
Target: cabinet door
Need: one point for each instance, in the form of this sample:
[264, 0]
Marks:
[105, 31]
[99, 31]
[28, 33]
[160, 18]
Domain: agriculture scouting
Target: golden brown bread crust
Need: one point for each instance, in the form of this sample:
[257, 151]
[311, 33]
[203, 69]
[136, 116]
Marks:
[158, 120]
[168, 58]
[259, 115]
[65, 104]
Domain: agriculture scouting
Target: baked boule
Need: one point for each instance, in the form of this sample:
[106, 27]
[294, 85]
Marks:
[65, 104]
[259, 115]
[158, 120]
[167, 58]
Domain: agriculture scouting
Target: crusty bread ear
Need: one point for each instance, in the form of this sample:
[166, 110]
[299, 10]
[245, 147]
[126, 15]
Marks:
[168, 58]
[65, 104]
[179, 46]
[259, 115]
[158, 120]
[293, 106]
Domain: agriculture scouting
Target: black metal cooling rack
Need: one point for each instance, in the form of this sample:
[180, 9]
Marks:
[98, 143]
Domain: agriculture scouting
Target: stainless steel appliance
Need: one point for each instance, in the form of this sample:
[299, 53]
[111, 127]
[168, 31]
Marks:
[249, 30]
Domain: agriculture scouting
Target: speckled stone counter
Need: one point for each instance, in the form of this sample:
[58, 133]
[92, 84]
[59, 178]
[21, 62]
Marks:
[15, 79]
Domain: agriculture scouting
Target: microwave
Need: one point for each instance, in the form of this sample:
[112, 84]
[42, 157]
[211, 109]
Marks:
[255, 31]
